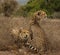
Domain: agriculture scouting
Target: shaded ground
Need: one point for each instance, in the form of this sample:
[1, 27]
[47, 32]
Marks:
[51, 28]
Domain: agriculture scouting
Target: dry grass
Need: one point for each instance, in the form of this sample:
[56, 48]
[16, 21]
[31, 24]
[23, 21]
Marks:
[51, 28]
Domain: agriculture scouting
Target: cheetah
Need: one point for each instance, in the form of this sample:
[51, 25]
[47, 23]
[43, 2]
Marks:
[39, 37]
[23, 37]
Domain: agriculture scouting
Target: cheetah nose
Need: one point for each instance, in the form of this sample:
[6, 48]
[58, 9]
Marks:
[26, 36]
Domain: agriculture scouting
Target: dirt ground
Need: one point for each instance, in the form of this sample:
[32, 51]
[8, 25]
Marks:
[51, 28]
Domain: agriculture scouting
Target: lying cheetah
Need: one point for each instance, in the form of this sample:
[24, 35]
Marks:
[23, 38]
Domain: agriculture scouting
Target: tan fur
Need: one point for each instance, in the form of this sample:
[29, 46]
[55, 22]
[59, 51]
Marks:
[20, 34]
[39, 38]
[39, 15]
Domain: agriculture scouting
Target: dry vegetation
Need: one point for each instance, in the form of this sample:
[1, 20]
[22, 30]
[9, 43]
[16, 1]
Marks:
[51, 28]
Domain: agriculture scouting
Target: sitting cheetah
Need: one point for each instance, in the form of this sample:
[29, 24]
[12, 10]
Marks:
[39, 38]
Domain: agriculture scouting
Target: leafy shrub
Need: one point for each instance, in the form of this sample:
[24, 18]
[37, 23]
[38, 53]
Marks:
[50, 6]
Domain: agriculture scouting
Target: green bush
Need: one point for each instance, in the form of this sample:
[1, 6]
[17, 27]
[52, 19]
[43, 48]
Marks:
[50, 6]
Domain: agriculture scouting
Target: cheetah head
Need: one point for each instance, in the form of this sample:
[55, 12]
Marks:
[37, 16]
[21, 34]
